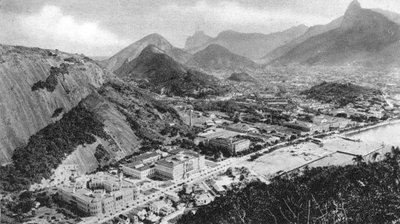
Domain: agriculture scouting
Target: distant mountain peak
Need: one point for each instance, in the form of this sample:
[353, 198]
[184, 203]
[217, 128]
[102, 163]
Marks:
[154, 35]
[217, 57]
[352, 14]
[133, 50]
[353, 8]
[217, 47]
[156, 38]
[354, 5]
[152, 49]
[198, 39]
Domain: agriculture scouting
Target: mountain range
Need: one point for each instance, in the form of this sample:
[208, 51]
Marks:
[217, 57]
[250, 45]
[364, 37]
[157, 71]
[132, 51]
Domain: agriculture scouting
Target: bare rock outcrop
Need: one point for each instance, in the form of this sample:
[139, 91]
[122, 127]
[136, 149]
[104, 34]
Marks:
[24, 110]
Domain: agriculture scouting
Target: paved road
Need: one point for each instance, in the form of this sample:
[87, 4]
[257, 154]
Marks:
[143, 200]
[220, 167]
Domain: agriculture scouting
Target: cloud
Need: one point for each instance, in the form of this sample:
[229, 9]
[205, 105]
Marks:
[234, 13]
[51, 26]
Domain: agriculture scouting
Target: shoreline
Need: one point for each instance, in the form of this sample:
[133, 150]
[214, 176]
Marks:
[367, 128]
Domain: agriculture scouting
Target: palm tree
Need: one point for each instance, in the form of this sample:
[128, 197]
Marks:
[358, 159]
[395, 152]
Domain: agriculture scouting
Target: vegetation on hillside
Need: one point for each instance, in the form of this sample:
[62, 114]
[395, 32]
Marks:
[49, 147]
[51, 81]
[361, 193]
[149, 118]
[339, 93]
[158, 72]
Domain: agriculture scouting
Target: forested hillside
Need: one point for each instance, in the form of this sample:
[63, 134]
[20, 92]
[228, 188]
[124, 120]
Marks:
[339, 93]
[360, 193]
[47, 148]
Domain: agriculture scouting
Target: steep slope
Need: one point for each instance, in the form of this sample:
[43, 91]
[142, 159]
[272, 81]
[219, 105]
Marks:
[106, 126]
[395, 17]
[252, 45]
[364, 35]
[36, 87]
[131, 117]
[312, 31]
[216, 57]
[132, 51]
[198, 39]
[155, 70]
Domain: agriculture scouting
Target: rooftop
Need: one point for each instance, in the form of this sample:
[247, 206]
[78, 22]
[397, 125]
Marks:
[219, 133]
[146, 156]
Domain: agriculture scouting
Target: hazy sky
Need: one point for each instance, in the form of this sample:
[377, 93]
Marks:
[102, 27]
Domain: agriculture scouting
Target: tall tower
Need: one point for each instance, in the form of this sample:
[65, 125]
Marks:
[191, 118]
[121, 177]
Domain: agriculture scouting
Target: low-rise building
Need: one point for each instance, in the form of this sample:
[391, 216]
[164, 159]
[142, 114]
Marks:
[203, 199]
[162, 207]
[235, 145]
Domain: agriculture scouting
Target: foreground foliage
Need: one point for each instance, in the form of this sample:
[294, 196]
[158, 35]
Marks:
[362, 193]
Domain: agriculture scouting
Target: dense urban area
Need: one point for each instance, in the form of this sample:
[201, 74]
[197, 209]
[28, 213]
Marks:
[157, 134]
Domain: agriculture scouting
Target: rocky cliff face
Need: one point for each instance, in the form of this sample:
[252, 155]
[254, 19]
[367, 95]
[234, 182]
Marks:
[198, 39]
[25, 110]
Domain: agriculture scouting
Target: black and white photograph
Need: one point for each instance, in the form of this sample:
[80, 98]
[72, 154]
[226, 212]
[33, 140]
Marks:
[199, 111]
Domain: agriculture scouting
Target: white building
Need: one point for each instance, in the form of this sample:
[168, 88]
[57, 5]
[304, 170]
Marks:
[106, 194]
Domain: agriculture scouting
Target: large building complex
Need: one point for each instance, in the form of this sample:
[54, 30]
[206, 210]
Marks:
[179, 165]
[99, 194]
[234, 145]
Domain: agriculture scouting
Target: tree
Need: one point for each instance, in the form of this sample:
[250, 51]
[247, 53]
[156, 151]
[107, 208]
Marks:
[358, 159]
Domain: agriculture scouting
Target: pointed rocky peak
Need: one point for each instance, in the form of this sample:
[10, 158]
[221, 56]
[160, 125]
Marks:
[198, 39]
[354, 5]
[353, 14]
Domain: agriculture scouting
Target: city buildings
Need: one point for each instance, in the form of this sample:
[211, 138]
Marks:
[99, 194]
[179, 165]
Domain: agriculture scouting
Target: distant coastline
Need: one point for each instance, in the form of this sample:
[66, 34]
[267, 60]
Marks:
[381, 124]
